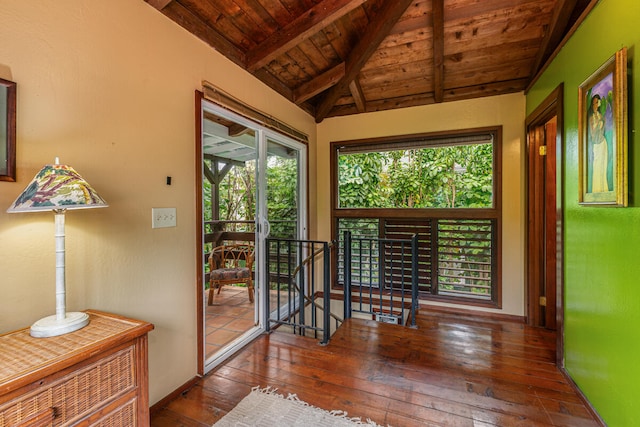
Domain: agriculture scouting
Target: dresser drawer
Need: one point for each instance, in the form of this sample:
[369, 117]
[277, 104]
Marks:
[76, 394]
[123, 416]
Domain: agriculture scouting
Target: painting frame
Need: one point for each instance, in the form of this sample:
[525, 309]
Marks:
[602, 135]
[7, 130]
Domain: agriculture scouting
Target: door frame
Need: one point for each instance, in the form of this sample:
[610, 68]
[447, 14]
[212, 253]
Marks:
[205, 365]
[552, 106]
[200, 326]
[263, 135]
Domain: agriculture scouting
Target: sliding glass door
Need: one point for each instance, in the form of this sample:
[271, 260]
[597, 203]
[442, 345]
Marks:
[254, 187]
[283, 184]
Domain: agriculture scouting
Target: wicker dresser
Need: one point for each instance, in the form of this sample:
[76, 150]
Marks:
[96, 376]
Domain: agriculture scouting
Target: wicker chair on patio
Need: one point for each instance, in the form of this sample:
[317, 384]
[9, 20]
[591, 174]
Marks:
[229, 265]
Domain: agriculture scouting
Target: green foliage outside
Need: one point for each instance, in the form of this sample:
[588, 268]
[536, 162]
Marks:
[437, 177]
[459, 176]
[238, 196]
[359, 179]
[282, 196]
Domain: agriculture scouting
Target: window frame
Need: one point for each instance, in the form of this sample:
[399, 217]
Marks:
[432, 138]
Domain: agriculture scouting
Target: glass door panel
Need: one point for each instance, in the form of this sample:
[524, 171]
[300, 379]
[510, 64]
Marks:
[282, 174]
[285, 215]
[253, 181]
[230, 153]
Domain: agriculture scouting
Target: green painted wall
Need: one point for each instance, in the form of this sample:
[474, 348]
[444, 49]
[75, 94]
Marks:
[602, 245]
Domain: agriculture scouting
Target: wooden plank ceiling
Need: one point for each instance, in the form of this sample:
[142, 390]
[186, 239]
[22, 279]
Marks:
[340, 57]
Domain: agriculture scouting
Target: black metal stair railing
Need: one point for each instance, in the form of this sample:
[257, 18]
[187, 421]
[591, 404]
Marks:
[299, 278]
[385, 284]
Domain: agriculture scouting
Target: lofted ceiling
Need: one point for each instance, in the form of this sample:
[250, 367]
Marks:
[340, 57]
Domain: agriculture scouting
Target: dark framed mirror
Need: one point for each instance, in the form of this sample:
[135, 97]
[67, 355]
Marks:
[7, 130]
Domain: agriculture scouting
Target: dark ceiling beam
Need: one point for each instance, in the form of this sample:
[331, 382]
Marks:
[574, 27]
[159, 4]
[452, 94]
[377, 30]
[437, 11]
[559, 21]
[385, 104]
[201, 29]
[274, 83]
[486, 89]
[270, 80]
[300, 29]
[319, 84]
[358, 95]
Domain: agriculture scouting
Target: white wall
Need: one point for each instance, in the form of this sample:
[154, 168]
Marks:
[109, 88]
[506, 110]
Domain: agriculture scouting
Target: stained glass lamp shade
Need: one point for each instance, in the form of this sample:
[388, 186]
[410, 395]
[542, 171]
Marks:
[58, 188]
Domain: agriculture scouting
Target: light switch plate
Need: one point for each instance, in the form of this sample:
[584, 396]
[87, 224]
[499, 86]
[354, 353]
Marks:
[163, 217]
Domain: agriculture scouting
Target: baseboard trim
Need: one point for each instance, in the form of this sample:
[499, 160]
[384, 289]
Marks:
[173, 395]
[584, 399]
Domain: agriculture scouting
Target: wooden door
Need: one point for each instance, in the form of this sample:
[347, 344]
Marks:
[542, 224]
[545, 276]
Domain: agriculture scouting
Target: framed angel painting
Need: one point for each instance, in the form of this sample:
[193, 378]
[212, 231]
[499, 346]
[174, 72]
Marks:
[602, 132]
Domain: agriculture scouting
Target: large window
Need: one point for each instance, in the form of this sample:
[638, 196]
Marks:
[417, 175]
[444, 188]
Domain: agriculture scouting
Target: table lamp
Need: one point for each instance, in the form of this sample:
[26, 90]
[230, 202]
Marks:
[58, 188]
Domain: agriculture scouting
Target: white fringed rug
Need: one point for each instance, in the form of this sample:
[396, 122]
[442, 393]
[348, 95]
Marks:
[263, 407]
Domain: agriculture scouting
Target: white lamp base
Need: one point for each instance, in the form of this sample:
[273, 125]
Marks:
[50, 326]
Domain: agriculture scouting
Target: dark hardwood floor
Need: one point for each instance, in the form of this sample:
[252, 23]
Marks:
[453, 370]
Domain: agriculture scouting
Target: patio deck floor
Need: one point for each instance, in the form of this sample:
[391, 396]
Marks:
[229, 317]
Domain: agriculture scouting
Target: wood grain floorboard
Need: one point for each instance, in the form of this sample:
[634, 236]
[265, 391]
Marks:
[452, 370]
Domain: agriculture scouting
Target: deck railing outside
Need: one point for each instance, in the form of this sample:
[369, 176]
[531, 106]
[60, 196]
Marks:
[219, 231]
[457, 257]
[222, 232]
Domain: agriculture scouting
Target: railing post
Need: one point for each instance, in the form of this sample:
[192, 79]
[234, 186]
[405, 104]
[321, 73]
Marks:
[290, 287]
[267, 286]
[434, 222]
[312, 289]
[302, 289]
[381, 265]
[347, 275]
[414, 279]
[326, 289]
